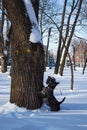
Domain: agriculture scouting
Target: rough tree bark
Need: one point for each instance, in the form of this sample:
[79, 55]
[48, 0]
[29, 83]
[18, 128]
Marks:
[27, 59]
[3, 56]
[36, 5]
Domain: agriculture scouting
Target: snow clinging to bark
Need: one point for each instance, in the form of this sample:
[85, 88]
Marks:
[35, 35]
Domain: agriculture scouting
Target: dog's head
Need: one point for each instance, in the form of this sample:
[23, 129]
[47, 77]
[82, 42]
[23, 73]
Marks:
[51, 81]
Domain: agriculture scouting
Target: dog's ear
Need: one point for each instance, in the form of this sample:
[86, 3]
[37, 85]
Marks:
[58, 82]
[49, 78]
[53, 78]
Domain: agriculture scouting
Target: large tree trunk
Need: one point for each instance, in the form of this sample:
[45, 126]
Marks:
[36, 5]
[27, 59]
[3, 58]
[2, 55]
[3, 63]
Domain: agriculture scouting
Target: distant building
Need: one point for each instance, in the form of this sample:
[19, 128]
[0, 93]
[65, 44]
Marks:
[81, 54]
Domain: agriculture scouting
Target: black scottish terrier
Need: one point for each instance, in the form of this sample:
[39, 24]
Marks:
[51, 82]
[48, 96]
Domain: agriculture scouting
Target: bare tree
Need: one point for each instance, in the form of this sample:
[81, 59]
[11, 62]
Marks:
[74, 45]
[67, 40]
[47, 12]
[27, 57]
[49, 33]
[47, 7]
[60, 39]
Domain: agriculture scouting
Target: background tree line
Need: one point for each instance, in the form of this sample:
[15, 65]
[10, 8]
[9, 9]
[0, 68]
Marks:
[62, 23]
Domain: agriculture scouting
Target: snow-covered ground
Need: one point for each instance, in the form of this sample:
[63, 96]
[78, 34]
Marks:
[73, 113]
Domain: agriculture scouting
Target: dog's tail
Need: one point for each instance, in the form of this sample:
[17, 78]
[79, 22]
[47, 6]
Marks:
[62, 100]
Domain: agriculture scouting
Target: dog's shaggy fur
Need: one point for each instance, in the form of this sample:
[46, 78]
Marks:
[51, 82]
[48, 96]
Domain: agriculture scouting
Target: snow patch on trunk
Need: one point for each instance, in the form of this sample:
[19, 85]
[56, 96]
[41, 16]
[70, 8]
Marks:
[35, 36]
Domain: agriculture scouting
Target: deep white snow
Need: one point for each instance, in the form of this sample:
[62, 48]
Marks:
[35, 36]
[73, 113]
